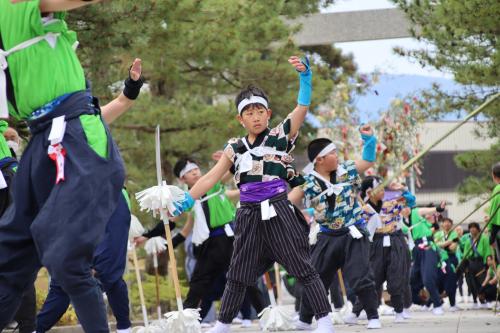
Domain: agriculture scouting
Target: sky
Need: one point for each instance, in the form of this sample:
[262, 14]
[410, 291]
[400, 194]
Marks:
[378, 55]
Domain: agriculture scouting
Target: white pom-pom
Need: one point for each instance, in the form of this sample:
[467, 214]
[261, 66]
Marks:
[136, 228]
[185, 321]
[155, 245]
[159, 198]
[276, 318]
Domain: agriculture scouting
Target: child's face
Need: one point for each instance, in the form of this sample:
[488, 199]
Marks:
[255, 119]
[329, 162]
[489, 261]
[495, 179]
[191, 177]
[446, 225]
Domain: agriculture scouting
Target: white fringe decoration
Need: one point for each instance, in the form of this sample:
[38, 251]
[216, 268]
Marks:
[185, 321]
[155, 245]
[158, 198]
[136, 228]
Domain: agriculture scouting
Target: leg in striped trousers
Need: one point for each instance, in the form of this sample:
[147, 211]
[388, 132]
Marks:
[258, 244]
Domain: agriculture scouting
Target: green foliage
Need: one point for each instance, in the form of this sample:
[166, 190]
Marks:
[167, 294]
[464, 42]
[480, 162]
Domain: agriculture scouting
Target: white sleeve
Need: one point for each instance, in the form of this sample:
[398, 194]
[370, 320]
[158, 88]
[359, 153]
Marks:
[373, 223]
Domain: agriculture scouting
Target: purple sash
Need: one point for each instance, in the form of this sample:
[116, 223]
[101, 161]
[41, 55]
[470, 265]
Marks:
[261, 191]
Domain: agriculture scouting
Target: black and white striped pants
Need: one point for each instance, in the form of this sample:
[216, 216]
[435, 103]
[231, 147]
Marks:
[258, 244]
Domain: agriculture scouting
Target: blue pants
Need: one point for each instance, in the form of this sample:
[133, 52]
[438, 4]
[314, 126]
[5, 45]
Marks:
[109, 264]
[424, 273]
[59, 226]
[448, 279]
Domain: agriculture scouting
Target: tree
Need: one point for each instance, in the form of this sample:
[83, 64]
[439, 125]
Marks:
[464, 41]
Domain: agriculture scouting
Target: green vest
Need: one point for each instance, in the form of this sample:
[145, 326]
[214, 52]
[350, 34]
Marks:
[4, 148]
[482, 248]
[422, 227]
[39, 73]
[439, 237]
[222, 210]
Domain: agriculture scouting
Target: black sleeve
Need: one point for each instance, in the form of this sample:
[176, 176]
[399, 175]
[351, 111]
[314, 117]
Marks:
[178, 239]
[158, 230]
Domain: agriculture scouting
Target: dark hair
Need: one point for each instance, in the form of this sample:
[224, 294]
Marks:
[495, 169]
[447, 219]
[474, 225]
[248, 92]
[316, 146]
[367, 184]
[181, 163]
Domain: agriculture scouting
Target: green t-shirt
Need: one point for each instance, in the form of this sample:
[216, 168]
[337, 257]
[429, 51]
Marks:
[4, 148]
[483, 249]
[440, 237]
[495, 203]
[222, 210]
[422, 227]
[39, 73]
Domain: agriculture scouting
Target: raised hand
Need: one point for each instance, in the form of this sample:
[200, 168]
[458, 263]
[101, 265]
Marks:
[297, 63]
[136, 69]
[366, 130]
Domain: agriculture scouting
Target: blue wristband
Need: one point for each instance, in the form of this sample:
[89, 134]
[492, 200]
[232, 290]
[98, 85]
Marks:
[184, 205]
[369, 147]
[410, 199]
[305, 85]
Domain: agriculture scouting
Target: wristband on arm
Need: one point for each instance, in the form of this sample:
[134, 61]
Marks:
[132, 88]
[178, 239]
[305, 85]
[440, 209]
[369, 147]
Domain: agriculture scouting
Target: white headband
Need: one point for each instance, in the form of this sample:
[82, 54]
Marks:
[310, 167]
[190, 166]
[251, 100]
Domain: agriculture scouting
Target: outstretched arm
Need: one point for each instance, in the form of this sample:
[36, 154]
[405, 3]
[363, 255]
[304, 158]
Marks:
[304, 98]
[122, 103]
[205, 183]
[47, 6]
[431, 210]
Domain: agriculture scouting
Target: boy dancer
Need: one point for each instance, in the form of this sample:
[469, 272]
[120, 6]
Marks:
[426, 259]
[330, 188]
[389, 250]
[476, 251]
[110, 256]
[69, 180]
[268, 228]
[447, 240]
